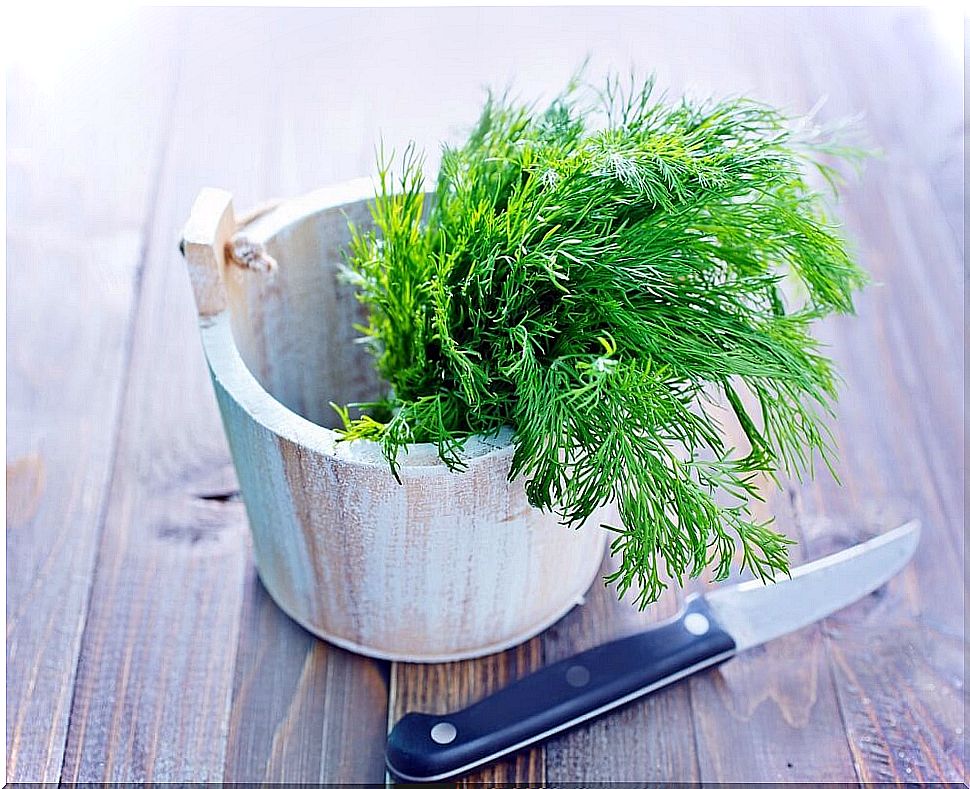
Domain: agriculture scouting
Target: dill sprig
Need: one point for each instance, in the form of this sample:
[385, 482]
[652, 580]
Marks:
[601, 276]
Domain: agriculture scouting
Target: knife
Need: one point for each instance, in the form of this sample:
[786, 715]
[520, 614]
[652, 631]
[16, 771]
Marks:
[709, 629]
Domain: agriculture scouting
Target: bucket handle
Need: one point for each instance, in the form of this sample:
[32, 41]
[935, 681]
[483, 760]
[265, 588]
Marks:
[204, 240]
[212, 239]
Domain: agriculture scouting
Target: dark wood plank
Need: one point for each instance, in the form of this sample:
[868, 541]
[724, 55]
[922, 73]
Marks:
[895, 657]
[905, 472]
[772, 714]
[843, 512]
[302, 711]
[155, 677]
[75, 225]
[155, 671]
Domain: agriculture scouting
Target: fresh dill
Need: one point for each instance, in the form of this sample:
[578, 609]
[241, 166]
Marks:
[600, 276]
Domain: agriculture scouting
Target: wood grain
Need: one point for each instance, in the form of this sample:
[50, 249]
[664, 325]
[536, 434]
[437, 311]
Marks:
[302, 711]
[75, 233]
[155, 677]
[449, 686]
[780, 695]
[649, 740]
[905, 456]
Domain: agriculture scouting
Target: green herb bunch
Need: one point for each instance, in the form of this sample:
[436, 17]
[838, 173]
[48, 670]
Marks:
[605, 277]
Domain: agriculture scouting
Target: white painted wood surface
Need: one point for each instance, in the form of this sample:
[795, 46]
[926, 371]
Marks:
[440, 567]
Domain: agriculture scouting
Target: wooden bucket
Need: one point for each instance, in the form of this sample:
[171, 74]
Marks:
[444, 566]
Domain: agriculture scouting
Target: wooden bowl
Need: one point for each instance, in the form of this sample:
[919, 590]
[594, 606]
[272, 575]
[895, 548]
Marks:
[440, 567]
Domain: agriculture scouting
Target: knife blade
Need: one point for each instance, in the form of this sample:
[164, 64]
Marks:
[708, 630]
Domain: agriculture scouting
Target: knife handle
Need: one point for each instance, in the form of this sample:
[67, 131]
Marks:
[425, 747]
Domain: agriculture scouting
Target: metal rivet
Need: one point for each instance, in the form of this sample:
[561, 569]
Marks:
[443, 733]
[696, 624]
[577, 676]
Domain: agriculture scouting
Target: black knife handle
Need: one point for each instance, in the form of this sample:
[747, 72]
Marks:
[424, 747]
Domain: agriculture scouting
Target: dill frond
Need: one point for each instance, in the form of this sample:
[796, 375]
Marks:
[589, 277]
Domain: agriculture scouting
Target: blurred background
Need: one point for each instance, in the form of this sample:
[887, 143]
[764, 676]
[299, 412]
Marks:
[140, 645]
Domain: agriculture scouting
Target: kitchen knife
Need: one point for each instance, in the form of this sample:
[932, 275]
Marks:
[710, 629]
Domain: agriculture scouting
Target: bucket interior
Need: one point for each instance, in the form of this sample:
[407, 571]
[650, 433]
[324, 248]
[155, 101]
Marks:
[294, 328]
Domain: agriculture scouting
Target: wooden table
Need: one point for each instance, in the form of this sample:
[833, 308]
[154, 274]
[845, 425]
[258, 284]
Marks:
[140, 644]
